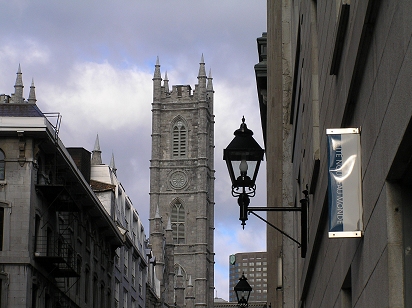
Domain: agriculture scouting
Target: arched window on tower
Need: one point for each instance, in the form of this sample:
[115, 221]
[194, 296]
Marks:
[178, 223]
[179, 139]
[2, 165]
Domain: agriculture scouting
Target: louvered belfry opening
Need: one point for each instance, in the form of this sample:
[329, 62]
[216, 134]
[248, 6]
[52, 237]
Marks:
[179, 140]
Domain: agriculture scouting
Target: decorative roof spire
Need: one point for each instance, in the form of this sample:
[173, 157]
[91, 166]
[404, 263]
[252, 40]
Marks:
[157, 82]
[157, 70]
[202, 70]
[209, 86]
[157, 215]
[166, 83]
[18, 87]
[113, 165]
[32, 95]
[97, 154]
[169, 225]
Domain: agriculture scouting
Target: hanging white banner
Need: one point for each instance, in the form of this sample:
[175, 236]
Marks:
[344, 183]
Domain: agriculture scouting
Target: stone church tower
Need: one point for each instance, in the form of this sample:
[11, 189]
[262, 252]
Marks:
[182, 190]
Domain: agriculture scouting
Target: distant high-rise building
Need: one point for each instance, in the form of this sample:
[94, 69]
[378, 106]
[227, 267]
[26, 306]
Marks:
[254, 266]
[182, 190]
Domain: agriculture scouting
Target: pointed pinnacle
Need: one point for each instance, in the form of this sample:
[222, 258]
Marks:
[202, 70]
[169, 225]
[32, 94]
[166, 83]
[209, 86]
[157, 70]
[19, 80]
[112, 163]
[97, 144]
[157, 215]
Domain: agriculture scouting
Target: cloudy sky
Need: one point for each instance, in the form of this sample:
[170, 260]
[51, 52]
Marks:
[93, 62]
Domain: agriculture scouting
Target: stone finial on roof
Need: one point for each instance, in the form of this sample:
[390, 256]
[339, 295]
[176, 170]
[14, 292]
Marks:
[202, 70]
[157, 215]
[18, 87]
[166, 83]
[157, 70]
[32, 95]
[169, 225]
[157, 82]
[112, 164]
[209, 86]
[96, 153]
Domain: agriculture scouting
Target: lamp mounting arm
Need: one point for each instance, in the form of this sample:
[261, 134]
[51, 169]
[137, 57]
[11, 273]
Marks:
[303, 209]
[272, 225]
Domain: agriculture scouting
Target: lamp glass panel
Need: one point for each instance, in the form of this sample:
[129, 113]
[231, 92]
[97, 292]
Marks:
[251, 165]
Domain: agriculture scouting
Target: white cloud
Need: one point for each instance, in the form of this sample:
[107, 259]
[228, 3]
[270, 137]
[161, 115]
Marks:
[101, 96]
[27, 51]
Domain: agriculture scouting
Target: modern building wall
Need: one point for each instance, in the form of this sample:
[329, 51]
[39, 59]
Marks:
[340, 64]
[57, 241]
[254, 266]
[182, 189]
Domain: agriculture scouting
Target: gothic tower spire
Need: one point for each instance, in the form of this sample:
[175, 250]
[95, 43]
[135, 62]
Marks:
[202, 80]
[157, 81]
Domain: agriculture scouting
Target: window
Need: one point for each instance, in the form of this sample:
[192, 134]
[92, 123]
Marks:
[95, 291]
[133, 272]
[86, 284]
[102, 301]
[116, 293]
[127, 215]
[2, 165]
[140, 279]
[117, 257]
[179, 139]
[125, 295]
[126, 262]
[78, 268]
[178, 223]
[2, 226]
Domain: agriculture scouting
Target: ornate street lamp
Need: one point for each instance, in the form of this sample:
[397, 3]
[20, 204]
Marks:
[243, 156]
[242, 290]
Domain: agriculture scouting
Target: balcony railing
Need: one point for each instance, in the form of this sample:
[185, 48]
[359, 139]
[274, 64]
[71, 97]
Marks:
[56, 255]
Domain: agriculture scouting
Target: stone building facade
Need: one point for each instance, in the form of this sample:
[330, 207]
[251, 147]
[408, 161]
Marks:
[132, 260]
[182, 189]
[340, 64]
[57, 242]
